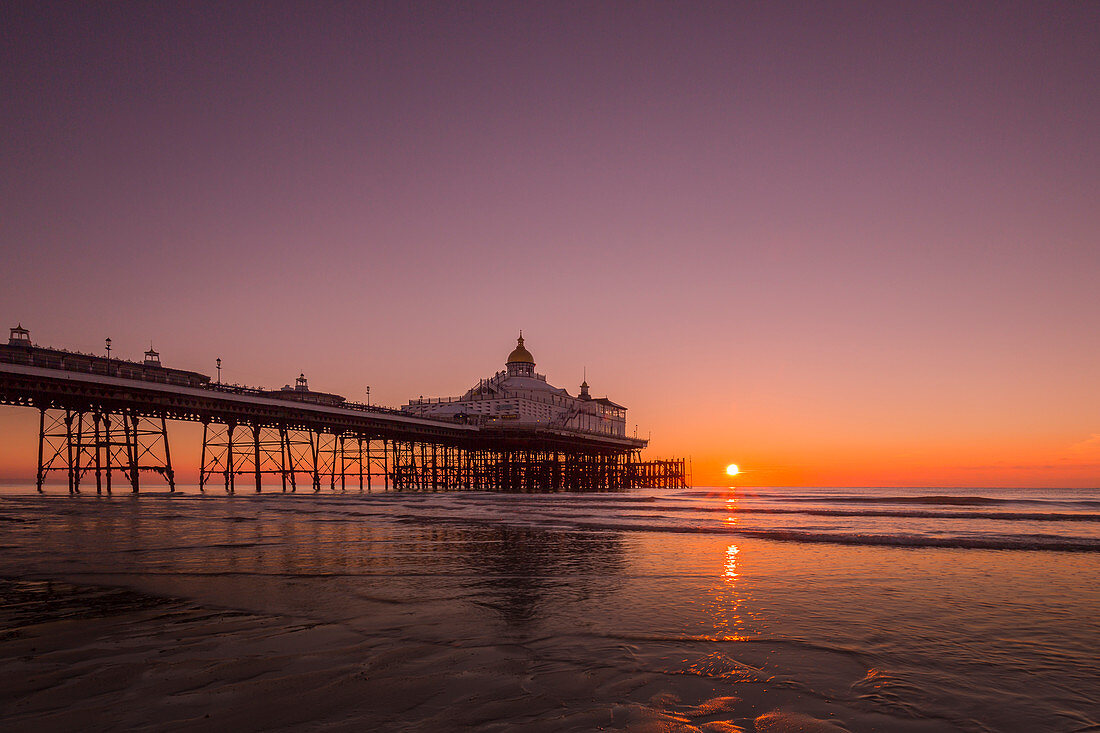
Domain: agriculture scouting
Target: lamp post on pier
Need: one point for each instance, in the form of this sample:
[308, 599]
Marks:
[107, 341]
[219, 363]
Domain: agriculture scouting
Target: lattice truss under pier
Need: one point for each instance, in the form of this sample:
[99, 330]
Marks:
[292, 455]
[104, 444]
[233, 450]
[356, 459]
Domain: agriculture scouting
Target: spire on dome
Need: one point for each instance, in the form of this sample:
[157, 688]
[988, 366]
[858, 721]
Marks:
[520, 354]
[520, 362]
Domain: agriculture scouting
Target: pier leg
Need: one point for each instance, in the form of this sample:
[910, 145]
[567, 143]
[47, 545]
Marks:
[283, 446]
[96, 417]
[78, 471]
[371, 452]
[337, 440]
[202, 459]
[229, 480]
[256, 454]
[109, 449]
[343, 462]
[315, 448]
[72, 466]
[41, 444]
[168, 472]
[423, 464]
[132, 449]
[360, 439]
[292, 463]
[435, 473]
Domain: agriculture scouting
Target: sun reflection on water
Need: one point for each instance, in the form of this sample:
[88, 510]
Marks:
[726, 614]
[731, 507]
[731, 573]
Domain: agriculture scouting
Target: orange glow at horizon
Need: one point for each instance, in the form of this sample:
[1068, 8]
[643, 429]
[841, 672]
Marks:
[904, 455]
[824, 441]
[1071, 461]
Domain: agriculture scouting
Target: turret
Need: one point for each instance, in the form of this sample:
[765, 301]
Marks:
[152, 358]
[300, 384]
[19, 336]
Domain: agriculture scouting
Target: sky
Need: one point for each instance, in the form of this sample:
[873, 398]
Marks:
[834, 243]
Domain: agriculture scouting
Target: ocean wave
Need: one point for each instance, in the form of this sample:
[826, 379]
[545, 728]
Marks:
[1002, 516]
[1015, 542]
[796, 495]
[730, 509]
[732, 640]
[574, 510]
[1020, 542]
[915, 514]
[936, 500]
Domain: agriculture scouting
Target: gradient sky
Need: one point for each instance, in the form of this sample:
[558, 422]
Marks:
[836, 243]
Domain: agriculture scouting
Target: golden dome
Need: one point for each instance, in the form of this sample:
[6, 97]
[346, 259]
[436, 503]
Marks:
[520, 355]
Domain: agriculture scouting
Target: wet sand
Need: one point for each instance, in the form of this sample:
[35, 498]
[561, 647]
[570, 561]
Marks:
[79, 657]
[424, 613]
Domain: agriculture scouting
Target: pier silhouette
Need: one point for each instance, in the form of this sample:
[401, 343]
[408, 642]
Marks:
[106, 419]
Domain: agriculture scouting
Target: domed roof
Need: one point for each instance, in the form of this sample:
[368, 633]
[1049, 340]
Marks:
[520, 355]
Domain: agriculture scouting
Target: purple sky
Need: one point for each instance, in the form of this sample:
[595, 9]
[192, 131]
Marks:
[832, 242]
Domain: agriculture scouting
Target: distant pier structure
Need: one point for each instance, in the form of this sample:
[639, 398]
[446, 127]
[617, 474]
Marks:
[104, 420]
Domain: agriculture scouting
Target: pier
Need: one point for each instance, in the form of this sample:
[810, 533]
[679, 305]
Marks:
[105, 422]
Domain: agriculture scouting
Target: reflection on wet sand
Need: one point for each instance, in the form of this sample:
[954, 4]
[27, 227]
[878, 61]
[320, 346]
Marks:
[524, 572]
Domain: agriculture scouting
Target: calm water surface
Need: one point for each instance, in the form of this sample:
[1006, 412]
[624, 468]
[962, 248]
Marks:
[889, 609]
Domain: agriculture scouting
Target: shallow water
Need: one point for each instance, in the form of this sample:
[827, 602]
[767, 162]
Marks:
[883, 610]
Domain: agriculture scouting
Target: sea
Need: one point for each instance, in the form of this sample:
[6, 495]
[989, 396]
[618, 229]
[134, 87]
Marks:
[703, 609]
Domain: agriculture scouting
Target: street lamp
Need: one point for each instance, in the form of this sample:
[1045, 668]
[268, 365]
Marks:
[368, 396]
[108, 342]
[219, 370]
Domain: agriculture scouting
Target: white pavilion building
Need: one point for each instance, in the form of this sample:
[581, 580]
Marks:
[521, 395]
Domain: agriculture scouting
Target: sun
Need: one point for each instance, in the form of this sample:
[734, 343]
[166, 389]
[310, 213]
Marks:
[732, 469]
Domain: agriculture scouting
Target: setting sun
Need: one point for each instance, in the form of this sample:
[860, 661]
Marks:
[732, 469]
